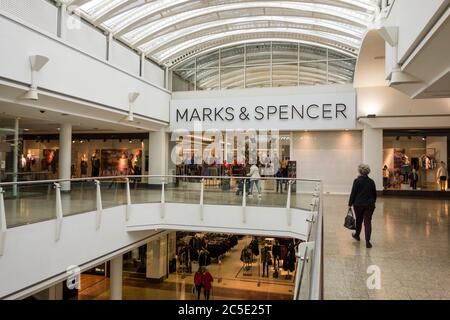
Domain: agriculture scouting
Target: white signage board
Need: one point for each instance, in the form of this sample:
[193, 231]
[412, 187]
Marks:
[315, 111]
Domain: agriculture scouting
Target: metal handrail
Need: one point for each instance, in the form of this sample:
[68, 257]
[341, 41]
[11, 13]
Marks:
[150, 176]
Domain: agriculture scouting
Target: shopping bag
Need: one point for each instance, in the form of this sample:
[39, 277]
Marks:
[349, 221]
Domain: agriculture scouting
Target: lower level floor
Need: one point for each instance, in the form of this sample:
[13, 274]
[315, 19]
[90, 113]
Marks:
[410, 259]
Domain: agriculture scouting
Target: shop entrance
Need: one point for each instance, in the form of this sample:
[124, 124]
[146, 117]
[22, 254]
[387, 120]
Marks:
[242, 267]
[416, 160]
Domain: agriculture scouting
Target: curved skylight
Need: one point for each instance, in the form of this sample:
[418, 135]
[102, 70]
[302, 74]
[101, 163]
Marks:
[172, 31]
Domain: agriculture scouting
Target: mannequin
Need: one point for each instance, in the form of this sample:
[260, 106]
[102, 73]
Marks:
[83, 166]
[95, 165]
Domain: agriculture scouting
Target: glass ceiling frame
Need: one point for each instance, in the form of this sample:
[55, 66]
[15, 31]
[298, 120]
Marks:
[156, 28]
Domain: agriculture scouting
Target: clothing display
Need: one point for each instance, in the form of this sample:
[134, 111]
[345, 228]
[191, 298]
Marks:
[83, 167]
[204, 258]
[290, 259]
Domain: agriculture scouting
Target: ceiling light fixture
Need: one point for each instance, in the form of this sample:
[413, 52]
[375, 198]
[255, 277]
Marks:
[37, 62]
[132, 96]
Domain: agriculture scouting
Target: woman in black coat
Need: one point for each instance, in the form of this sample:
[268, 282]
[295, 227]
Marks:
[362, 199]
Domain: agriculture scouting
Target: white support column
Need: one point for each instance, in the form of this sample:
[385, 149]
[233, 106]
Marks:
[16, 155]
[373, 153]
[65, 155]
[63, 21]
[109, 47]
[157, 259]
[158, 155]
[115, 283]
[142, 65]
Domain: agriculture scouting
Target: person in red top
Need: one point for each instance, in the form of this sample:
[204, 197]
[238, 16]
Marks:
[207, 280]
[198, 282]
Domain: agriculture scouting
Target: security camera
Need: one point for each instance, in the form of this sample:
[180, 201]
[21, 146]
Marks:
[42, 111]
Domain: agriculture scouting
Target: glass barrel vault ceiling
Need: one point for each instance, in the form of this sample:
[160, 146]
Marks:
[172, 32]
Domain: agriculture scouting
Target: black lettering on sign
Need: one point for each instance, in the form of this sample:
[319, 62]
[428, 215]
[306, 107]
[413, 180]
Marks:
[308, 111]
[326, 111]
[195, 116]
[207, 114]
[301, 115]
[271, 110]
[260, 115]
[230, 114]
[341, 109]
[283, 112]
[217, 114]
[183, 116]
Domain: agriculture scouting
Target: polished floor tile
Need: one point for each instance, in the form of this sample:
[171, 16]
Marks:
[411, 239]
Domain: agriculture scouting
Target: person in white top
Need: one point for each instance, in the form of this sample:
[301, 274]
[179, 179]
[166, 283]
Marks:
[254, 180]
[442, 176]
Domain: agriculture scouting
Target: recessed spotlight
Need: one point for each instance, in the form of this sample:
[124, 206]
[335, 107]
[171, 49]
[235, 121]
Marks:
[26, 129]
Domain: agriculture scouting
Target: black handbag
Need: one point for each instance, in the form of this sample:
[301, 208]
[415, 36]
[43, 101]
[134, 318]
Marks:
[349, 221]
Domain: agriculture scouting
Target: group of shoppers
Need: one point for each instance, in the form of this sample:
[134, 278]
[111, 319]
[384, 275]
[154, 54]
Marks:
[203, 280]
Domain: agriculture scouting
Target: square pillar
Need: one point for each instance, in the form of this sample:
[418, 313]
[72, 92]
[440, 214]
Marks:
[158, 155]
[157, 259]
[373, 153]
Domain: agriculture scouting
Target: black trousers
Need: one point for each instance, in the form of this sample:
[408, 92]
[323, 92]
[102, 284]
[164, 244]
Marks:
[265, 269]
[364, 214]
[199, 290]
[207, 293]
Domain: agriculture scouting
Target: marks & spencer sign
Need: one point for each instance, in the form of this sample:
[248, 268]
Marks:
[318, 111]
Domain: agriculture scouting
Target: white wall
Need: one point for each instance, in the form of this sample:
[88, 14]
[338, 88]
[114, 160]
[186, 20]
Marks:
[73, 73]
[264, 221]
[124, 58]
[39, 13]
[32, 254]
[87, 39]
[153, 73]
[330, 156]
[413, 17]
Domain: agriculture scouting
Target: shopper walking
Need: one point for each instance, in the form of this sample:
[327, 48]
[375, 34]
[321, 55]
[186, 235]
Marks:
[198, 282]
[386, 175]
[362, 199]
[414, 177]
[207, 281]
[442, 176]
[279, 181]
[254, 180]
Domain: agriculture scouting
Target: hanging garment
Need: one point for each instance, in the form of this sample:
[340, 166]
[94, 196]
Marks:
[255, 247]
[246, 255]
[204, 258]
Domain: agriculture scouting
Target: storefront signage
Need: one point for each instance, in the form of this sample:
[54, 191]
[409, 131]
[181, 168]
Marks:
[324, 111]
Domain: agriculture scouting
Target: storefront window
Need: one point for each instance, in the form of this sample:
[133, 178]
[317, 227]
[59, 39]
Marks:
[415, 162]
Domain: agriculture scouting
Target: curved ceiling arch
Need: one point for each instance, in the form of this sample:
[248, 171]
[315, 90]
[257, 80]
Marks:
[166, 40]
[321, 37]
[151, 27]
[145, 32]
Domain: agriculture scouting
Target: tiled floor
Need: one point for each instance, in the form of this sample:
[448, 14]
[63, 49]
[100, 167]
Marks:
[411, 239]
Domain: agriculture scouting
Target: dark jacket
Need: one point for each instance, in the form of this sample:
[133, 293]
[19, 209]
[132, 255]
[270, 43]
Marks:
[364, 192]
